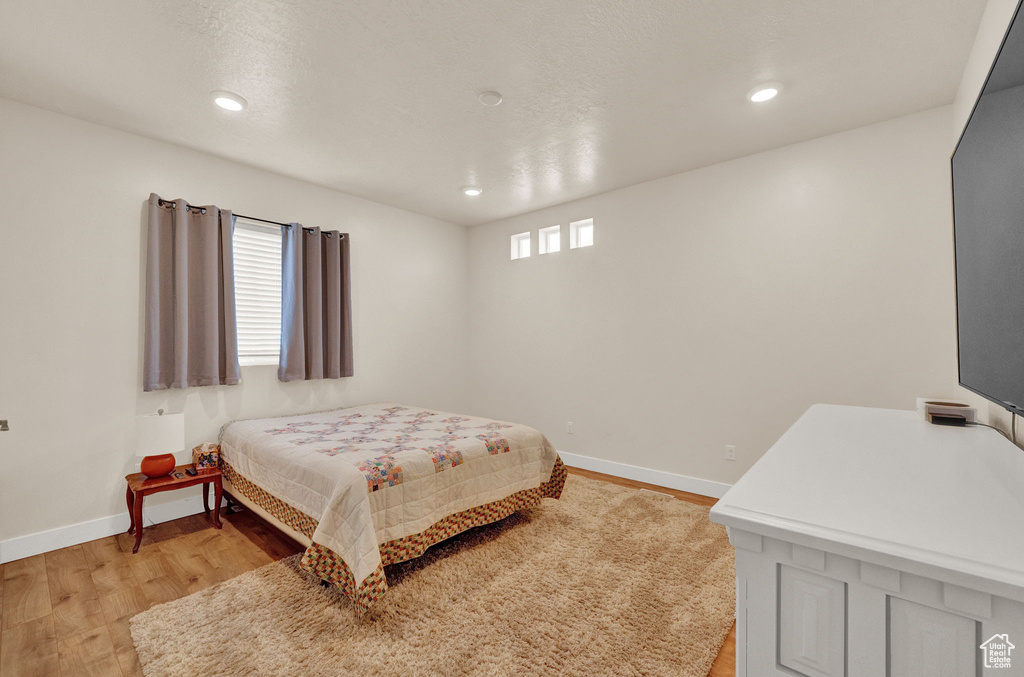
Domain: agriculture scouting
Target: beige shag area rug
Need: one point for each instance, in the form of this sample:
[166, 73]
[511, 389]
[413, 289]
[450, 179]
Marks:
[605, 581]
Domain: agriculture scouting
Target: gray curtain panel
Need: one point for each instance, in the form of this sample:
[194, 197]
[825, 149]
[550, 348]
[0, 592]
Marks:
[316, 309]
[191, 336]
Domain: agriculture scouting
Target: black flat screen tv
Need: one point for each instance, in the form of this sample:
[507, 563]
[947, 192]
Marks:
[988, 231]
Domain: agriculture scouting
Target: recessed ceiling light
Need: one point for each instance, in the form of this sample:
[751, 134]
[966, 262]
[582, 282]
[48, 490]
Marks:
[472, 191]
[490, 98]
[764, 92]
[229, 101]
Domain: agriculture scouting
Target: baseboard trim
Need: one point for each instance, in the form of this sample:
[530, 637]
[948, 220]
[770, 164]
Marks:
[694, 485]
[83, 532]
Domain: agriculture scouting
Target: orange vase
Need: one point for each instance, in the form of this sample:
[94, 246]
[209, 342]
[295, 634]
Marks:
[157, 466]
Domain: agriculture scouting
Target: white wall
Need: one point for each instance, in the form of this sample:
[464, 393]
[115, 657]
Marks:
[73, 197]
[717, 305]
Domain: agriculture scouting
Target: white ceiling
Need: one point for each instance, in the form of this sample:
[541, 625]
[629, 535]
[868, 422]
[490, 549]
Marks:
[379, 98]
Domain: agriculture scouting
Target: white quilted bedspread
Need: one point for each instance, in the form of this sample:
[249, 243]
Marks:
[378, 472]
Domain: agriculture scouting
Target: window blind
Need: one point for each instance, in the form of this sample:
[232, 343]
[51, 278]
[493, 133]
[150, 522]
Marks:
[258, 292]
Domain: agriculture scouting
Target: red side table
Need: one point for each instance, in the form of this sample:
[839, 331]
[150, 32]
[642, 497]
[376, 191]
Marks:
[140, 486]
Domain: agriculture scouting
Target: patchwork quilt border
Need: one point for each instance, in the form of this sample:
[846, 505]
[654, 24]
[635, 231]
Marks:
[281, 511]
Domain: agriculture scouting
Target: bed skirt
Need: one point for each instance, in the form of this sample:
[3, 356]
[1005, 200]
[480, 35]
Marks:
[327, 565]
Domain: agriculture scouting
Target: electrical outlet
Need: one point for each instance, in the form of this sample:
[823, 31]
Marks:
[568, 427]
[730, 452]
[3, 425]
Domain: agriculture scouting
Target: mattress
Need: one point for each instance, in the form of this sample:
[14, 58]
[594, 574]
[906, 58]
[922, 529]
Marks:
[379, 484]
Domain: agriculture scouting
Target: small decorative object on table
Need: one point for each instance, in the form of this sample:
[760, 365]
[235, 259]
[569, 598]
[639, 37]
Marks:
[206, 456]
[157, 466]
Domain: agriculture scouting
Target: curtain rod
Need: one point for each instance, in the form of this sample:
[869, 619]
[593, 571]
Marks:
[253, 218]
[243, 216]
[172, 203]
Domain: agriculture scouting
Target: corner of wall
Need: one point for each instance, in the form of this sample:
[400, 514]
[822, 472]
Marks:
[994, 22]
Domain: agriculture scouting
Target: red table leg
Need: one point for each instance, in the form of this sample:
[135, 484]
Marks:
[131, 515]
[137, 521]
[218, 489]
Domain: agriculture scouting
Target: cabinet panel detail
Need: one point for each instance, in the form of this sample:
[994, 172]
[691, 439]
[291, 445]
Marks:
[927, 642]
[812, 623]
[880, 577]
[812, 558]
[968, 601]
[745, 540]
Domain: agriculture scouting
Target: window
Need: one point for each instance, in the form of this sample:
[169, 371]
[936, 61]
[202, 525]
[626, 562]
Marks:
[520, 246]
[258, 292]
[550, 240]
[581, 234]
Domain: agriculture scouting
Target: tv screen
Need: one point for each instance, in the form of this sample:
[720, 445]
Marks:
[988, 228]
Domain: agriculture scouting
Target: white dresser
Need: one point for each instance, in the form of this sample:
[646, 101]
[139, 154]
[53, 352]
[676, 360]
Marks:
[870, 543]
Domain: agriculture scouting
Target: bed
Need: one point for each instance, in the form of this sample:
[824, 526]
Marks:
[363, 487]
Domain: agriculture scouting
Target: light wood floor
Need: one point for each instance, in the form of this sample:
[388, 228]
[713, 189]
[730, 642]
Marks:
[65, 613]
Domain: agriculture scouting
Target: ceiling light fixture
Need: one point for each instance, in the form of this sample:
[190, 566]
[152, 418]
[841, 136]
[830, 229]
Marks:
[490, 98]
[471, 191]
[229, 101]
[764, 92]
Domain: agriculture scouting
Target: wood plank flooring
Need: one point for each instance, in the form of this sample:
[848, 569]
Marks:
[65, 613]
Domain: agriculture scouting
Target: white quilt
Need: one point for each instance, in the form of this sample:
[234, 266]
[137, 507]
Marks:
[375, 473]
